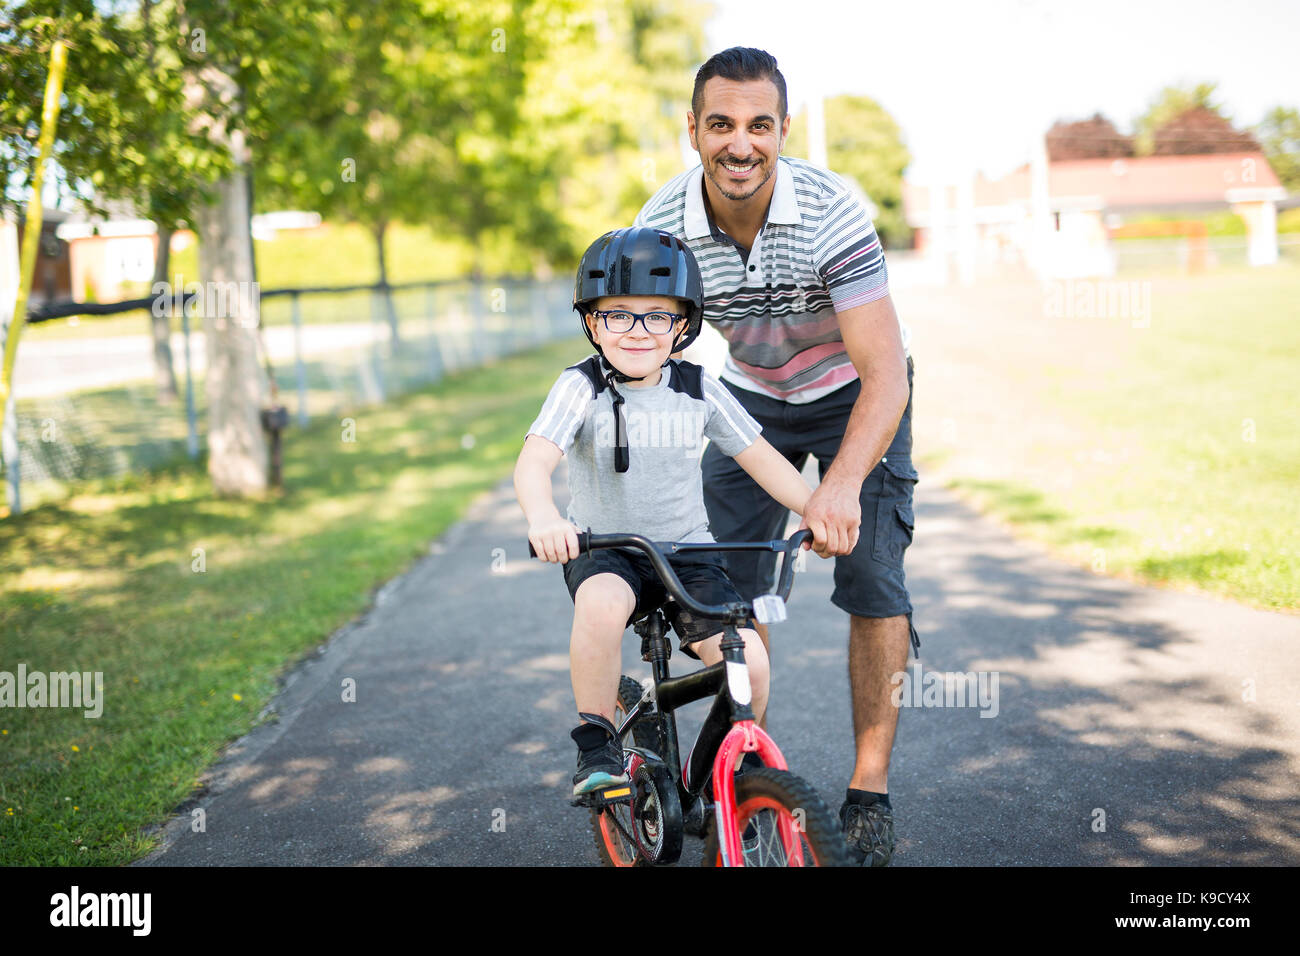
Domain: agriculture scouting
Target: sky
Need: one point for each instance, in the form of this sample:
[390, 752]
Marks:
[972, 84]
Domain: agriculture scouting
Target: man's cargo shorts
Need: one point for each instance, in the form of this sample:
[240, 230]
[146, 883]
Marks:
[702, 575]
[868, 581]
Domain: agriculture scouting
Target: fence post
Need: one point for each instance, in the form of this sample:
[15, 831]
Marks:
[390, 307]
[299, 369]
[435, 348]
[478, 325]
[191, 423]
[376, 360]
[537, 297]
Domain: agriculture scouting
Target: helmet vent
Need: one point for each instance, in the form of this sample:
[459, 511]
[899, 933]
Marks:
[596, 274]
[661, 271]
[665, 241]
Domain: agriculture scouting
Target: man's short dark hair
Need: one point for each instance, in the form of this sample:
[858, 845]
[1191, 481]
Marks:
[739, 63]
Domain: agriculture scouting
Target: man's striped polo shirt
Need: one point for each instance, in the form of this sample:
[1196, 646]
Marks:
[776, 303]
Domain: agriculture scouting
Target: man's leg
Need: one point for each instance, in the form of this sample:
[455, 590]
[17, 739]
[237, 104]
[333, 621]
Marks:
[710, 652]
[870, 586]
[877, 650]
[739, 510]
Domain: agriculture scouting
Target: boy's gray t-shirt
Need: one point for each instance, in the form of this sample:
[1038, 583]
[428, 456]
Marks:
[661, 495]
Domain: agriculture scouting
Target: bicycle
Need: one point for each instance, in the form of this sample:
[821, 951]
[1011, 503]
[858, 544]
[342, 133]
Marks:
[766, 816]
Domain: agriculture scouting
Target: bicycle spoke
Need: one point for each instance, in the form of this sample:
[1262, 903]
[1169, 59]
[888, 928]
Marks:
[624, 832]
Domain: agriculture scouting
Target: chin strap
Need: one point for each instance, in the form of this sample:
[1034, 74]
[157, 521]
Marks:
[622, 458]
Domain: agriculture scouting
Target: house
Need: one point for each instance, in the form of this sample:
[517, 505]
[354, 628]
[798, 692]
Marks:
[52, 275]
[1057, 217]
[107, 256]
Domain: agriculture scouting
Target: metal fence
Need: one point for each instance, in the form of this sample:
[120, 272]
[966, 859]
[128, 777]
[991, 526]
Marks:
[87, 406]
[1145, 255]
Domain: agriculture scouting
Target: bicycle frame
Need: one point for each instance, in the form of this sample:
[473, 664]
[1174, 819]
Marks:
[730, 729]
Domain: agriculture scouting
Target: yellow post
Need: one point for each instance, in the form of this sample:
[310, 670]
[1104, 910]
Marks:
[32, 229]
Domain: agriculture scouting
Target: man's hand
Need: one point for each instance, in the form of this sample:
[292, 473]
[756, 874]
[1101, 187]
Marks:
[834, 515]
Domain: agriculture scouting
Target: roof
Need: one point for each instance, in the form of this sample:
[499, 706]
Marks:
[1161, 180]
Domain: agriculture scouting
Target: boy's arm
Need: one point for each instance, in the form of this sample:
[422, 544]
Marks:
[552, 537]
[775, 474]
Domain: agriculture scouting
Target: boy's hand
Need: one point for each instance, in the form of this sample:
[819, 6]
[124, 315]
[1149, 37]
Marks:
[554, 540]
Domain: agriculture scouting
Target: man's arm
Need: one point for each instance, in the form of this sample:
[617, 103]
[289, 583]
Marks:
[872, 340]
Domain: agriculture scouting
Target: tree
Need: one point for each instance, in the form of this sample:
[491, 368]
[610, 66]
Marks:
[405, 112]
[1095, 138]
[1279, 134]
[1187, 120]
[11, 326]
[604, 112]
[243, 62]
[1201, 130]
[122, 135]
[863, 142]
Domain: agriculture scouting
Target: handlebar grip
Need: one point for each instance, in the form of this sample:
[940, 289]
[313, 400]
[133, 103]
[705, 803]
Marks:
[584, 544]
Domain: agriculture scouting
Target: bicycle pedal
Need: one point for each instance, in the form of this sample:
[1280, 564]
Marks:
[599, 799]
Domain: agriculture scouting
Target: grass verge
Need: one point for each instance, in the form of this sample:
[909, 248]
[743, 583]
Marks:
[192, 606]
[1165, 450]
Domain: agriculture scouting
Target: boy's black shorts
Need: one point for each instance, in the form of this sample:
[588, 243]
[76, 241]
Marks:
[702, 576]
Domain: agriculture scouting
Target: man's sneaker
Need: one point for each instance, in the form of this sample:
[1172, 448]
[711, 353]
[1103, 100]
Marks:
[600, 762]
[869, 832]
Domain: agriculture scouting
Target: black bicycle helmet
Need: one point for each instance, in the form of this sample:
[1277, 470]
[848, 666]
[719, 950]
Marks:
[640, 261]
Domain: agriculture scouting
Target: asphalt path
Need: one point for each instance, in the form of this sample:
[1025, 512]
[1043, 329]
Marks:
[1130, 726]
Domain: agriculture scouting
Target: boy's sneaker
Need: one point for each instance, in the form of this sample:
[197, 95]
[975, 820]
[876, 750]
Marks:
[869, 832]
[600, 758]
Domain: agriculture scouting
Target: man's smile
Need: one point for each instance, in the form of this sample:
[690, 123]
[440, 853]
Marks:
[740, 170]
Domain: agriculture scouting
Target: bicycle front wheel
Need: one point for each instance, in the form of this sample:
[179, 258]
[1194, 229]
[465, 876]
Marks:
[764, 798]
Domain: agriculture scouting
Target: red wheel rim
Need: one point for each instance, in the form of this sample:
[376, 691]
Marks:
[614, 841]
[753, 806]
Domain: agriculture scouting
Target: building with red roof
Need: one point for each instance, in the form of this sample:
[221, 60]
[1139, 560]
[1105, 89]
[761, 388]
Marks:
[1056, 216]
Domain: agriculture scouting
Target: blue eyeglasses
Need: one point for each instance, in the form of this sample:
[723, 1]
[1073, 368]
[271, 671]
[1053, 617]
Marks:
[655, 323]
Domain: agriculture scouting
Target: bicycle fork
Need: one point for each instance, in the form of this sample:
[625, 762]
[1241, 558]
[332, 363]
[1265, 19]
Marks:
[745, 736]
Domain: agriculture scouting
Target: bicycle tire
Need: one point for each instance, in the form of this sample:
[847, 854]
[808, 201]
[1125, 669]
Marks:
[610, 844]
[769, 791]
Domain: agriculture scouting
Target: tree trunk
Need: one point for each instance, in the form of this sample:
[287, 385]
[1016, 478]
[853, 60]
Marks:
[390, 308]
[381, 228]
[163, 371]
[236, 382]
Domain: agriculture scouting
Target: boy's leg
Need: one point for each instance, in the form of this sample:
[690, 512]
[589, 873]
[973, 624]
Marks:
[710, 652]
[601, 607]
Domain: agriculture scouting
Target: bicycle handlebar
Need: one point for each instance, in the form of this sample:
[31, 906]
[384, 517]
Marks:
[588, 541]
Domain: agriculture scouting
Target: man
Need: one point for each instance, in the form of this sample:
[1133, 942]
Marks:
[795, 280]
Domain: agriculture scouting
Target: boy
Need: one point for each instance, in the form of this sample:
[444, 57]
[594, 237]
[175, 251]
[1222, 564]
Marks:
[632, 422]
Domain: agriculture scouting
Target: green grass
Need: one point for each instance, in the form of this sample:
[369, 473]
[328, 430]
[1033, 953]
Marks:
[105, 581]
[1169, 454]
